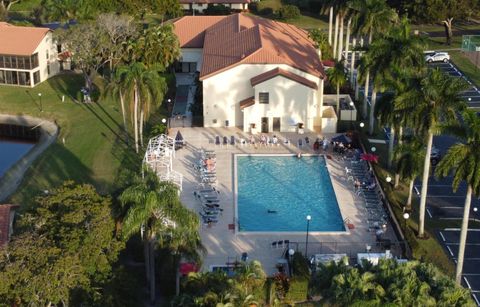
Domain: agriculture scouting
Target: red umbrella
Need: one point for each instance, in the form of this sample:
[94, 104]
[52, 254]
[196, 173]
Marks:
[188, 267]
[369, 157]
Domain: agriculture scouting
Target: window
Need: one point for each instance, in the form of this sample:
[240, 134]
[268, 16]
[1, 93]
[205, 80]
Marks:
[36, 77]
[263, 97]
[47, 54]
[34, 61]
[48, 70]
[214, 121]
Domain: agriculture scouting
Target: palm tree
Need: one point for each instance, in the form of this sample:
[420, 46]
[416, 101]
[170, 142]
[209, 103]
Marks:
[464, 160]
[114, 89]
[337, 77]
[143, 87]
[433, 99]
[398, 50]
[154, 210]
[409, 161]
[321, 43]
[372, 17]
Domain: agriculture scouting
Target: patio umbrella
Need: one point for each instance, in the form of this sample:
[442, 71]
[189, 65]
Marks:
[188, 267]
[369, 157]
[179, 140]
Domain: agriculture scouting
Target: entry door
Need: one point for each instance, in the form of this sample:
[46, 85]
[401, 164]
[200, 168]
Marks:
[264, 124]
[276, 124]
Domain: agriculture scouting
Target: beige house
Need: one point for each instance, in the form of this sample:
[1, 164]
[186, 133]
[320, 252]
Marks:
[201, 5]
[256, 73]
[28, 55]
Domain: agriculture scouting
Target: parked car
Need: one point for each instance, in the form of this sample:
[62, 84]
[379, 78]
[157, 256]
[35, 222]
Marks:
[435, 56]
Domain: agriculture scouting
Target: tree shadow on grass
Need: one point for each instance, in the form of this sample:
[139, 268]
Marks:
[68, 84]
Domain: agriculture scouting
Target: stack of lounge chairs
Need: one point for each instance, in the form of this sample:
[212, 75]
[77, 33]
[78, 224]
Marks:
[206, 167]
[209, 202]
[368, 189]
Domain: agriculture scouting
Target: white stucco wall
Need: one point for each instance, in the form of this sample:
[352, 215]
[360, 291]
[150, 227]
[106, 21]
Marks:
[223, 92]
[192, 55]
[47, 44]
[291, 101]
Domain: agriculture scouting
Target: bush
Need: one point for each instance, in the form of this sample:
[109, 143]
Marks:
[289, 12]
[300, 266]
[219, 9]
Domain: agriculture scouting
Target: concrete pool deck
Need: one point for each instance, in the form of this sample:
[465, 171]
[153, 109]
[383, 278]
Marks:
[223, 245]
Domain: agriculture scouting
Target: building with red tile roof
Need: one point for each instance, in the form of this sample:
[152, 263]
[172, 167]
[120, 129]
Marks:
[28, 55]
[7, 215]
[201, 5]
[241, 56]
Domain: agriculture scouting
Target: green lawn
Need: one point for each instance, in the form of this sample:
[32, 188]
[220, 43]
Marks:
[94, 148]
[466, 66]
[25, 5]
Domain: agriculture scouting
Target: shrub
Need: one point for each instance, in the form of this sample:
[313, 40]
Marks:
[300, 266]
[289, 12]
[219, 9]
[282, 285]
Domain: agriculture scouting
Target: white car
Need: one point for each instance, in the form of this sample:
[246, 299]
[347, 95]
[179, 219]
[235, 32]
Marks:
[434, 56]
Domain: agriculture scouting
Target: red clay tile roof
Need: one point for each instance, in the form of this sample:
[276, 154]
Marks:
[16, 40]
[284, 73]
[242, 39]
[245, 103]
[5, 223]
[191, 33]
[213, 1]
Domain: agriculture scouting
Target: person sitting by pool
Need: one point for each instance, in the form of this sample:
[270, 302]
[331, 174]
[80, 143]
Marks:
[275, 140]
[357, 185]
[316, 145]
[371, 186]
[299, 155]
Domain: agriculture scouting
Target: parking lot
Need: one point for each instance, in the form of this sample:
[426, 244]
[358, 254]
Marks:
[471, 266]
[444, 204]
[472, 94]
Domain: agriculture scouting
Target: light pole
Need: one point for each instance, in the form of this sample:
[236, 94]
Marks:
[164, 121]
[373, 149]
[406, 216]
[475, 209]
[40, 98]
[362, 125]
[351, 114]
[306, 240]
[291, 252]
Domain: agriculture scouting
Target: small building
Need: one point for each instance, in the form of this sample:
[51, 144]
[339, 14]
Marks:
[201, 5]
[28, 55]
[256, 73]
[7, 217]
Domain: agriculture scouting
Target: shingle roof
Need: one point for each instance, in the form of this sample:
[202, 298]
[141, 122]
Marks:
[213, 1]
[284, 73]
[242, 39]
[5, 223]
[16, 40]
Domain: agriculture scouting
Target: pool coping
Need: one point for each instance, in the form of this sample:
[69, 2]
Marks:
[235, 199]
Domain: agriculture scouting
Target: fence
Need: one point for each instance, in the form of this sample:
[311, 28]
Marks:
[471, 48]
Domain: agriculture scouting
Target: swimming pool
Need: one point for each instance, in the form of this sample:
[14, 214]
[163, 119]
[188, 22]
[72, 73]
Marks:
[276, 193]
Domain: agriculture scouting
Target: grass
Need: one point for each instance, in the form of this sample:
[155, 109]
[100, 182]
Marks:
[466, 66]
[94, 150]
[25, 5]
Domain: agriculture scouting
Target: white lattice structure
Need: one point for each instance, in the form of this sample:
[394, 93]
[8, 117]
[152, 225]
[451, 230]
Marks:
[159, 157]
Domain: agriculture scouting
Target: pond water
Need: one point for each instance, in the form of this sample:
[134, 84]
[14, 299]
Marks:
[11, 152]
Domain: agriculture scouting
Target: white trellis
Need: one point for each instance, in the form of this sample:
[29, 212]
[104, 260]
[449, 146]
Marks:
[159, 157]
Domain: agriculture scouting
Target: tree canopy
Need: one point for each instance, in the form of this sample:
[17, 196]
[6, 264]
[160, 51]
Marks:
[64, 251]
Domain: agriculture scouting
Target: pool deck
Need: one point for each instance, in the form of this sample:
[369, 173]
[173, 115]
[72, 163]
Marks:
[223, 245]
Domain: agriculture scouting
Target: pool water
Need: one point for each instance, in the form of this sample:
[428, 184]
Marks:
[290, 188]
[11, 152]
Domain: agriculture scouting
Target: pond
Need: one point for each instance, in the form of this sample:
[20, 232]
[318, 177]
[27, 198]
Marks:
[11, 152]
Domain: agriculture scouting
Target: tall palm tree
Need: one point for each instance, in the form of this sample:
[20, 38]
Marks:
[409, 161]
[464, 160]
[398, 50]
[337, 77]
[321, 43]
[372, 17]
[143, 87]
[155, 211]
[114, 89]
[433, 99]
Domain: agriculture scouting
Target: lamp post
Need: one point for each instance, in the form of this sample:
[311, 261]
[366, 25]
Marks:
[388, 179]
[40, 98]
[351, 114]
[475, 209]
[373, 149]
[306, 240]
[291, 251]
[164, 121]
[406, 216]
[362, 125]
